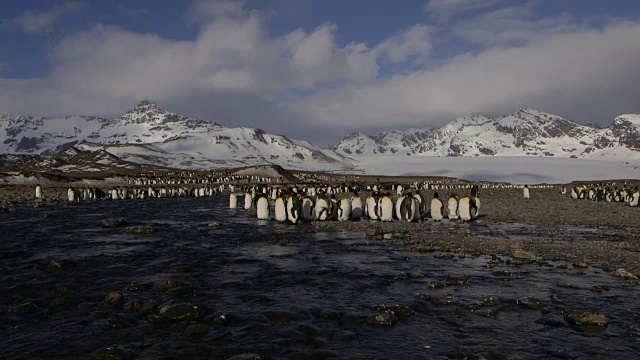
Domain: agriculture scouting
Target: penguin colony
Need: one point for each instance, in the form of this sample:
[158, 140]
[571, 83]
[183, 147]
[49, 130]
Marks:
[608, 192]
[384, 203]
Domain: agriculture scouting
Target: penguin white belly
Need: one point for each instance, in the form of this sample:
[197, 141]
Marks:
[574, 194]
[344, 210]
[525, 193]
[233, 201]
[398, 207]
[248, 201]
[322, 210]
[453, 209]
[372, 208]
[356, 208]
[436, 209]
[386, 209]
[71, 195]
[262, 209]
[280, 210]
[464, 209]
[635, 199]
[293, 210]
[408, 210]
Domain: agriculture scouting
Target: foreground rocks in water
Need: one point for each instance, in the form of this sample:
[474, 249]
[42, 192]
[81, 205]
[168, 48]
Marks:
[165, 285]
[110, 223]
[457, 279]
[385, 318]
[523, 255]
[214, 224]
[114, 298]
[374, 232]
[143, 229]
[528, 302]
[586, 322]
[435, 284]
[399, 310]
[622, 273]
[180, 311]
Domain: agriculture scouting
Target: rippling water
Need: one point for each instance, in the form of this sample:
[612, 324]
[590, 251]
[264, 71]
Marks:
[286, 292]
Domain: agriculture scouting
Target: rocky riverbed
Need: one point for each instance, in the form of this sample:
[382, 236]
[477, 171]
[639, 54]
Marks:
[545, 278]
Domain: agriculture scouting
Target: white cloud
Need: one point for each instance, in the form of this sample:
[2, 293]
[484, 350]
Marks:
[41, 21]
[305, 84]
[587, 74]
[512, 25]
[443, 10]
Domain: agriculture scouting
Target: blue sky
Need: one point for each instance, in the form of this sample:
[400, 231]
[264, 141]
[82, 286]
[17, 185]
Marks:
[315, 69]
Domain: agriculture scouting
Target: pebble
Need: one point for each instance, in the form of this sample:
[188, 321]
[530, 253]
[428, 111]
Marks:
[165, 285]
[114, 298]
[144, 229]
[180, 311]
[586, 321]
[111, 223]
[523, 255]
[528, 302]
[385, 318]
[622, 273]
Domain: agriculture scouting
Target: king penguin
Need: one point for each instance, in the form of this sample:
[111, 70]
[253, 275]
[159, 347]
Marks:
[233, 201]
[294, 208]
[344, 209]
[356, 206]
[453, 207]
[409, 209]
[262, 207]
[248, 200]
[385, 208]
[635, 198]
[436, 207]
[71, 195]
[280, 208]
[38, 192]
[323, 208]
[307, 209]
[525, 192]
[372, 206]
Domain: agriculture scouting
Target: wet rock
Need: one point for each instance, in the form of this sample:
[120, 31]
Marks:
[113, 353]
[457, 279]
[138, 287]
[114, 298]
[600, 289]
[197, 330]
[165, 285]
[581, 265]
[562, 266]
[374, 232]
[399, 310]
[385, 318]
[214, 224]
[492, 300]
[23, 308]
[550, 323]
[528, 302]
[220, 319]
[435, 284]
[624, 274]
[586, 322]
[246, 356]
[60, 264]
[635, 271]
[180, 311]
[444, 256]
[424, 298]
[133, 305]
[423, 248]
[113, 222]
[523, 255]
[449, 298]
[142, 229]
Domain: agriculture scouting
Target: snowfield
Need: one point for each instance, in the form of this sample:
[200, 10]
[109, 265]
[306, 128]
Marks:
[518, 170]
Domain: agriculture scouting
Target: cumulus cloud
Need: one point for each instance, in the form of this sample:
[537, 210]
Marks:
[308, 85]
[42, 21]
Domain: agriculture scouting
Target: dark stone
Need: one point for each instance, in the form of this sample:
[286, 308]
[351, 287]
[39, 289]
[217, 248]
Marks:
[164, 285]
[435, 284]
[385, 318]
[399, 310]
[111, 223]
[374, 232]
[445, 256]
[492, 300]
[132, 304]
[220, 319]
[180, 311]
[528, 302]
[581, 265]
[114, 298]
[198, 330]
[143, 229]
[457, 279]
[586, 322]
[523, 255]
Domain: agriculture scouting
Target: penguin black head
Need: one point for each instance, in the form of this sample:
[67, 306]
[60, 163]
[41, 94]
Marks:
[436, 195]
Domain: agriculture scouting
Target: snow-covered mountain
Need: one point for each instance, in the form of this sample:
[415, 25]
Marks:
[524, 133]
[149, 134]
